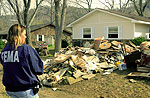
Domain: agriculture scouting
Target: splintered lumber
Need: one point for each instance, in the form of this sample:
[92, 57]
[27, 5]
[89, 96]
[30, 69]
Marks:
[103, 52]
[105, 65]
[59, 59]
[138, 74]
[110, 50]
[88, 76]
[58, 75]
[72, 80]
[115, 43]
[145, 45]
[78, 73]
[42, 77]
[78, 61]
[114, 47]
[143, 69]
[61, 72]
[72, 65]
[105, 45]
[133, 45]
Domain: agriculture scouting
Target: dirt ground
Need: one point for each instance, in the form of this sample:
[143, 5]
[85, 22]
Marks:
[114, 85]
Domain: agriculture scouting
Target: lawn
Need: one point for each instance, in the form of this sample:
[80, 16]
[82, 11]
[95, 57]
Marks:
[114, 85]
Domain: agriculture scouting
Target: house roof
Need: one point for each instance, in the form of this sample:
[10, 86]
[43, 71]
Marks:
[4, 32]
[37, 27]
[133, 18]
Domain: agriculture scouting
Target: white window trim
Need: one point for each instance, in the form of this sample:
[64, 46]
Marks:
[38, 37]
[108, 32]
[42, 37]
[92, 33]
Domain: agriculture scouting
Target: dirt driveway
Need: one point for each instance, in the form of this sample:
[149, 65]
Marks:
[114, 85]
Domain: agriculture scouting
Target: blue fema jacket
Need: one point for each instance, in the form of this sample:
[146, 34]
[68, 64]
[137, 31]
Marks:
[20, 67]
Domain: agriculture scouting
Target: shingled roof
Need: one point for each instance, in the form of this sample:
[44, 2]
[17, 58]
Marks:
[134, 18]
[36, 27]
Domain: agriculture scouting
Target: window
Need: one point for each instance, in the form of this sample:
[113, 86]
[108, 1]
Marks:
[40, 37]
[87, 33]
[113, 32]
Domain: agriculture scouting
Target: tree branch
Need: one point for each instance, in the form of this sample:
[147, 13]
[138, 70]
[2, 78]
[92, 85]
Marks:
[146, 3]
[104, 4]
[34, 13]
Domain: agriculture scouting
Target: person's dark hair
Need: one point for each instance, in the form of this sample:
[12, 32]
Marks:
[14, 34]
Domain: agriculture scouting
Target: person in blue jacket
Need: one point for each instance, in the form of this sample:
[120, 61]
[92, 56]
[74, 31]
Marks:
[21, 65]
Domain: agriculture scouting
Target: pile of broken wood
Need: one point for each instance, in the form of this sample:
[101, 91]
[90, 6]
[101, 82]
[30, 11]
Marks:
[143, 64]
[73, 64]
[126, 47]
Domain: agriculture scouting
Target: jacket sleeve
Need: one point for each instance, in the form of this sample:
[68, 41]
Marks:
[35, 61]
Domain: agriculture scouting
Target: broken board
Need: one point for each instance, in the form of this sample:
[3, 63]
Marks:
[139, 74]
[143, 69]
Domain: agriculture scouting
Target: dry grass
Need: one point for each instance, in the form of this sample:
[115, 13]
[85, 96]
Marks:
[115, 85]
[2, 90]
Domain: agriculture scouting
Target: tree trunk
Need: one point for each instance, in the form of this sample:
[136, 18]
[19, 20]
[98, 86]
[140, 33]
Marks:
[28, 39]
[59, 22]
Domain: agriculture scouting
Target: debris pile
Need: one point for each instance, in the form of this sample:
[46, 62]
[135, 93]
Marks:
[73, 64]
[143, 64]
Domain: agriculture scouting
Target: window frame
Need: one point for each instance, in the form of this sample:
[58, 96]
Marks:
[90, 32]
[113, 33]
[40, 37]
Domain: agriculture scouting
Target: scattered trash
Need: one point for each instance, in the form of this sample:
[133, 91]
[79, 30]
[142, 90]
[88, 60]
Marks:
[122, 66]
[132, 80]
[106, 73]
[54, 89]
[74, 64]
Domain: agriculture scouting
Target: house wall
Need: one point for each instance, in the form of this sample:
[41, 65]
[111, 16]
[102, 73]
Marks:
[141, 30]
[99, 21]
[49, 36]
[46, 31]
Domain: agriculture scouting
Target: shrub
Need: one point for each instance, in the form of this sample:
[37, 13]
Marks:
[137, 41]
[50, 45]
[1, 44]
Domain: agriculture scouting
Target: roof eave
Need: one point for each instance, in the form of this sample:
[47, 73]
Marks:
[142, 22]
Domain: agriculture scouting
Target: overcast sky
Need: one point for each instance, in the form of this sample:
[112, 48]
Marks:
[95, 3]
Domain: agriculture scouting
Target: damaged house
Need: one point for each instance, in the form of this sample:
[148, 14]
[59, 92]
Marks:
[110, 24]
[46, 33]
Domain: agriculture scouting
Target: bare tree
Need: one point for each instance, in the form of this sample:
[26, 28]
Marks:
[123, 5]
[140, 6]
[85, 4]
[51, 10]
[60, 14]
[5, 7]
[23, 14]
[110, 4]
